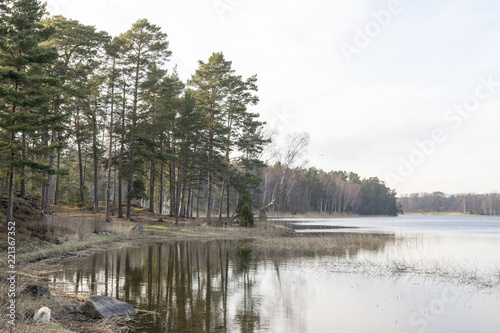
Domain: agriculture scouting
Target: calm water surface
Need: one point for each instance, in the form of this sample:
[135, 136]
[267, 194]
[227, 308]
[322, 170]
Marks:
[442, 276]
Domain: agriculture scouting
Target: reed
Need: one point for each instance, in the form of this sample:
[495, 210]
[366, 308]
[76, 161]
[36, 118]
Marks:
[336, 244]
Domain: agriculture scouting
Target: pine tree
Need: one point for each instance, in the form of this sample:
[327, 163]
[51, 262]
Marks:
[169, 105]
[211, 83]
[223, 97]
[25, 85]
[144, 43]
[113, 52]
[79, 57]
[151, 89]
[189, 133]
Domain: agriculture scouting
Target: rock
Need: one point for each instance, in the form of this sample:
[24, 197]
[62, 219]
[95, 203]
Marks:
[137, 227]
[36, 290]
[101, 307]
[42, 315]
[67, 255]
[160, 220]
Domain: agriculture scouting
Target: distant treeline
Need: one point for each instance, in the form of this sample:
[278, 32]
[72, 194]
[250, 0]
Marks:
[316, 191]
[483, 204]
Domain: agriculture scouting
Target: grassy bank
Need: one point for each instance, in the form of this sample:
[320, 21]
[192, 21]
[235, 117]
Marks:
[74, 232]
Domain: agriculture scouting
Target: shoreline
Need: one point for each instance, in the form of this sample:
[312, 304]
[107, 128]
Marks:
[70, 233]
[32, 267]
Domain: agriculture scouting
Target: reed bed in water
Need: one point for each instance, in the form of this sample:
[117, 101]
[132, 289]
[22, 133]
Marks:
[336, 244]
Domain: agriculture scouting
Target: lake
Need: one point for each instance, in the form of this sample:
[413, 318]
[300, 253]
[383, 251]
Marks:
[427, 274]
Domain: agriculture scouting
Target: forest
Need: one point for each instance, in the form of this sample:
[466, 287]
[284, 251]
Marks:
[439, 202]
[94, 120]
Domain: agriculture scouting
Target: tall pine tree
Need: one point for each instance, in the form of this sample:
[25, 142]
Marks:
[25, 85]
[144, 43]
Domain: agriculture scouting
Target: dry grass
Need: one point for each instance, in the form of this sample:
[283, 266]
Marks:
[65, 318]
[337, 244]
[465, 273]
[310, 215]
[67, 249]
[26, 306]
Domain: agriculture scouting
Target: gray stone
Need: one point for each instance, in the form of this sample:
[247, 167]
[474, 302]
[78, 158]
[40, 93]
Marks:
[137, 227]
[36, 290]
[101, 307]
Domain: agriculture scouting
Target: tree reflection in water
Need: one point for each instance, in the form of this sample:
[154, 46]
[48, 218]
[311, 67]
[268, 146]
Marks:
[212, 286]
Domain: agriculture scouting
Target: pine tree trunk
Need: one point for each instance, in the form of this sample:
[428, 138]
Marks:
[120, 162]
[129, 187]
[209, 198]
[160, 199]
[152, 188]
[42, 196]
[85, 163]
[58, 164]
[210, 165]
[182, 209]
[43, 204]
[47, 199]
[110, 154]
[172, 190]
[227, 196]
[79, 148]
[132, 137]
[23, 170]
[51, 165]
[198, 201]
[222, 198]
[96, 160]
[189, 208]
[114, 183]
[178, 197]
[10, 202]
[51, 162]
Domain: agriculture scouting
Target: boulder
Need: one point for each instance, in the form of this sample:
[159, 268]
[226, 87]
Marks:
[137, 227]
[42, 315]
[36, 290]
[101, 307]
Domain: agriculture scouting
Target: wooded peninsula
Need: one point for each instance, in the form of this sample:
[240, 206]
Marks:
[92, 120]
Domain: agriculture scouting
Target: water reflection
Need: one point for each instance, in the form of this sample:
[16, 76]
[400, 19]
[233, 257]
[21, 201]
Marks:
[224, 286]
[195, 286]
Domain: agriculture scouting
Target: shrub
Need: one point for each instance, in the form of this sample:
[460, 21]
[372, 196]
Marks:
[75, 199]
[246, 218]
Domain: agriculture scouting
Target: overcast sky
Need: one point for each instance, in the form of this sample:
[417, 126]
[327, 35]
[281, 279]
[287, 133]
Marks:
[408, 91]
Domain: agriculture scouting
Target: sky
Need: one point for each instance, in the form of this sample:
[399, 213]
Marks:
[403, 90]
